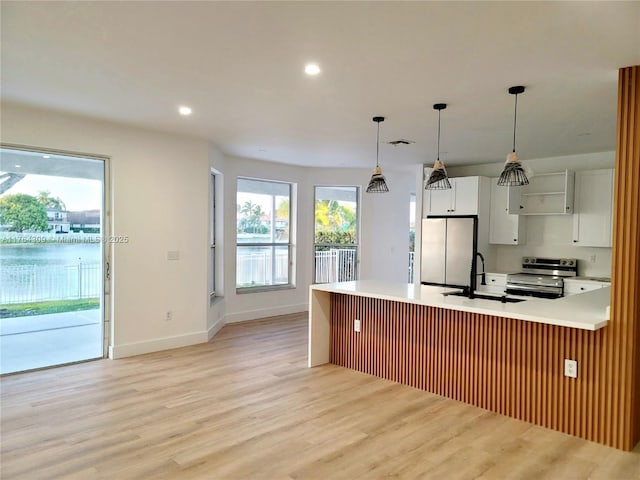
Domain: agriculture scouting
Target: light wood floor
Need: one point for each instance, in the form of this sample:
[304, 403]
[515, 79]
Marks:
[244, 406]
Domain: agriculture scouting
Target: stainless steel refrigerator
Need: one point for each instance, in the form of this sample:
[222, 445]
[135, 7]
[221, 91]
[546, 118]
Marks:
[449, 247]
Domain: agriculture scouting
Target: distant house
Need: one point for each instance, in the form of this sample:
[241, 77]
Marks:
[57, 221]
[87, 221]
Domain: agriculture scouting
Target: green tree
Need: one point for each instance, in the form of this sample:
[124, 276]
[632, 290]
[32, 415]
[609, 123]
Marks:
[335, 222]
[282, 211]
[23, 212]
[45, 198]
[250, 221]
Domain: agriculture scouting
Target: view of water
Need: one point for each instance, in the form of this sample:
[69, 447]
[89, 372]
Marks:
[52, 271]
[49, 254]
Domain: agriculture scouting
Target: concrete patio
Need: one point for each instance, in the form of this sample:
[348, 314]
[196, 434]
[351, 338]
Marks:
[40, 341]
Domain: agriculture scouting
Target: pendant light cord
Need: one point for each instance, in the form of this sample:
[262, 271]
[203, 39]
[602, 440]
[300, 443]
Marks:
[515, 117]
[438, 155]
[378, 145]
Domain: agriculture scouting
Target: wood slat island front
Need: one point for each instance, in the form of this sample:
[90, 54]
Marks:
[463, 351]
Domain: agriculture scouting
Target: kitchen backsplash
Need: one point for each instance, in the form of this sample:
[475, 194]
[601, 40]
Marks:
[548, 235]
[551, 236]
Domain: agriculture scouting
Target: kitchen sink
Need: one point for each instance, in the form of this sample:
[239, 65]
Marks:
[495, 298]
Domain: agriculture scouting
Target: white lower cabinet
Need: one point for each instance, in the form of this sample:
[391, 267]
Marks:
[574, 287]
[496, 283]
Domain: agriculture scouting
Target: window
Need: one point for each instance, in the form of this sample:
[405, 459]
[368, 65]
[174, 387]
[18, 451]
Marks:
[212, 238]
[264, 234]
[336, 234]
[412, 233]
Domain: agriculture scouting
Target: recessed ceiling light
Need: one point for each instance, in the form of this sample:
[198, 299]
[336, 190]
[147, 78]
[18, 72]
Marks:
[311, 69]
[46, 156]
[185, 110]
[18, 166]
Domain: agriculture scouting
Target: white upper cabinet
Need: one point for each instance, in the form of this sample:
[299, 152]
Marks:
[592, 219]
[461, 199]
[505, 228]
[547, 194]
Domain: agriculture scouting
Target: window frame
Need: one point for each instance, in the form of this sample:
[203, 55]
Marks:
[289, 244]
[215, 232]
[356, 245]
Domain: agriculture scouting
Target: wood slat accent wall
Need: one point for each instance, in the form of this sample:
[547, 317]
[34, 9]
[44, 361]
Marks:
[623, 339]
[514, 367]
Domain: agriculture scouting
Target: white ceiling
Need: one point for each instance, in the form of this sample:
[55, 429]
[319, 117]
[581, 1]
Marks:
[239, 65]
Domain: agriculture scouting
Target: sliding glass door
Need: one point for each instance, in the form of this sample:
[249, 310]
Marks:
[51, 259]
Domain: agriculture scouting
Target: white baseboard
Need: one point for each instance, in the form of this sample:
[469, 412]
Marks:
[215, 328]
[265, 312]
[166, 343]
[158, 344]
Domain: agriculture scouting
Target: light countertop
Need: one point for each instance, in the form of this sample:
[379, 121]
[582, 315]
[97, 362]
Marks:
[587, 311]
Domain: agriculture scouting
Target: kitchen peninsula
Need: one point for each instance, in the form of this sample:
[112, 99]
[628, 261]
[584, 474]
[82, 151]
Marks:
[507, 358]
[587, 311]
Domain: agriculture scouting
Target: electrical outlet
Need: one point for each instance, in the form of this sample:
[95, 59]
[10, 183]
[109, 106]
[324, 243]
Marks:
[356, 325]
[570, 368]
[592, 258]
[169, 316]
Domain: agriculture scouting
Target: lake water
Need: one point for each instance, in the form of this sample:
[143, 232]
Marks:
[49, 254]
[53, 271]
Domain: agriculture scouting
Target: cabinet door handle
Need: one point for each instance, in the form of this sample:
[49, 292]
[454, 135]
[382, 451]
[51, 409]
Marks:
[521, 207]
[575, 241]
[515, 239]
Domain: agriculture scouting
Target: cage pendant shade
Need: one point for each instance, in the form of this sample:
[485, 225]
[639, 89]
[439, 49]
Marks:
[438, 180]
[377, 184]
[513, 174]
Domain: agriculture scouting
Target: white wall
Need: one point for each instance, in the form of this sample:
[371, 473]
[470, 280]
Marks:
[384, 232]
[160, 191]
[159, 200]
[549, 235]
[384, 221]
[248, 306]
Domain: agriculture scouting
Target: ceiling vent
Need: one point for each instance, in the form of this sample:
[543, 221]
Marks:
[401, 141]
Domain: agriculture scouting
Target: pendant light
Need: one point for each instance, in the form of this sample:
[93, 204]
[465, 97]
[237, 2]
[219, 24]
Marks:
[377, 183]
[513, 174]
[438, 180]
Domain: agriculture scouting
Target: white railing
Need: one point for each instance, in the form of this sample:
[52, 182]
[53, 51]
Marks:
[256, 269]
[38, 283]
[336, 265]
[411, 257]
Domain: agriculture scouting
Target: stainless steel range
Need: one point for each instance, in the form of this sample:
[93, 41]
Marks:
[542, 277]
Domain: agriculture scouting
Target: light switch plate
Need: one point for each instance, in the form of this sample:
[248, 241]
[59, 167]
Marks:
[356, 325]
[173, 255]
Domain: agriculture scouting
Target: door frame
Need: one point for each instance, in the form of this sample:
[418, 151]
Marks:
[105, 227]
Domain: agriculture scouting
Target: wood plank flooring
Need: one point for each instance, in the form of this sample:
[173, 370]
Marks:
[244, 406]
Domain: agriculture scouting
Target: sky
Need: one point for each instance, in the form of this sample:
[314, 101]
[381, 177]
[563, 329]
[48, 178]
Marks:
[76, 193]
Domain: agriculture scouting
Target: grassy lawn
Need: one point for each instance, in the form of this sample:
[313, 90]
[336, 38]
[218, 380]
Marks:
[43, 308]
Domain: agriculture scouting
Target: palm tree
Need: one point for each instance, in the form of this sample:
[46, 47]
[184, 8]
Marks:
[250, 220]
[45, 198]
